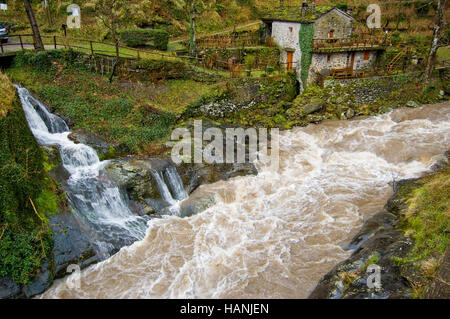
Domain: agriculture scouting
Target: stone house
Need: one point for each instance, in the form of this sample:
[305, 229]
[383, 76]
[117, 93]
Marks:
[318, 41]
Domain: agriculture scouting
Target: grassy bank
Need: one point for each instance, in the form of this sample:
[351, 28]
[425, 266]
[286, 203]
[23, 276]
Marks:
[25, 238]
[426, 220]
[138, 115]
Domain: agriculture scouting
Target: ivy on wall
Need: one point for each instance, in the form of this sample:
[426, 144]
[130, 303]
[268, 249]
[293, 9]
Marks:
[306, 35]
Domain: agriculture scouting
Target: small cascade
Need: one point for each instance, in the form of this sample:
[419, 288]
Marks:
[171, 188]
[162, 186]
[54, 123]
[175, 183]
[98, 203]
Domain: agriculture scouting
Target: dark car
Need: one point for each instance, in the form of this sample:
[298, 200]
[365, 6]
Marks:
[3, 34]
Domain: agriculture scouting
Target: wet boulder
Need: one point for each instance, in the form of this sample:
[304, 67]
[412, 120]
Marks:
[71, 245]
[104, 148]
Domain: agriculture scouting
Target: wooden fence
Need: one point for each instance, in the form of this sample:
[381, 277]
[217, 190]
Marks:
[350, 43]
[26, 41]
[223, 41]
[112, 52]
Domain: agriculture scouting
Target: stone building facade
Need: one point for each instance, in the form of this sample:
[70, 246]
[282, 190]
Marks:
[330, 26]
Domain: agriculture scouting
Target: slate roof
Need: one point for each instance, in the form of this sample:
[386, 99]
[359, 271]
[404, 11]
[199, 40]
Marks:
[295, 14]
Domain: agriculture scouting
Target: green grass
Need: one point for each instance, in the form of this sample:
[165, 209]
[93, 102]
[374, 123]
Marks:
[108, 49]
[427, 219]
[7, 95]
[136, 115]
[444, 55]
[177, 46]
[25, 239]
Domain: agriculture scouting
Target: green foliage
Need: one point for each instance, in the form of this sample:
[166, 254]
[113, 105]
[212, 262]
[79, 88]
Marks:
[24, 242]
[22, 252]
[155, 38]
[427, 220]
[104, 109]
[306, 40]
[373, 259]
[250, 61]
[164, 68]
[41, 61]
[423, 7]
[430, 94]
[342, 6]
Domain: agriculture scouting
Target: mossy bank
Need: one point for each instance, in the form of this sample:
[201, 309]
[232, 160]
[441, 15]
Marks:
[25, 236]
[408, 239]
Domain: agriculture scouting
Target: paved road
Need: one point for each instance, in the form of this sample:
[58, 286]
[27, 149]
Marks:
[14, 45]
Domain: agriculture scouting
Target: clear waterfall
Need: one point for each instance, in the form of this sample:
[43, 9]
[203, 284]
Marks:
[162, 187]
[175, 183]
[171, 188]
[98, 202]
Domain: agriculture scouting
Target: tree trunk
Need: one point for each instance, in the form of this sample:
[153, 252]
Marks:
[193, 40]
[38, 45]
[435, 44]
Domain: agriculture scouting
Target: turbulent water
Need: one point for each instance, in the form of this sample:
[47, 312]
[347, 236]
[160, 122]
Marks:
[99, 205]
[276, 234]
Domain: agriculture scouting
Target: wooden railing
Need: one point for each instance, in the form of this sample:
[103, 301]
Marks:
[227, 41]
[92, 47]
[26, 42]
[350, 43]
[240, 70]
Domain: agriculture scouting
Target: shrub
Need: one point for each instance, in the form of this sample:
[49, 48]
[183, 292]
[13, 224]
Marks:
[163, 68]
[41, 61]
[24, 242]
[250, 61]
[155, 38]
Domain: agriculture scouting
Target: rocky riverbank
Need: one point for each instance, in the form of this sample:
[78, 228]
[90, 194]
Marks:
[386, 241]
[133, 175]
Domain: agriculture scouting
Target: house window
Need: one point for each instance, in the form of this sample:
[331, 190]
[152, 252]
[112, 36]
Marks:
[366, 55]
[329, 58]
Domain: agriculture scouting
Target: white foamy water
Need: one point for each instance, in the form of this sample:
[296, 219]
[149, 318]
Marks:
[276, 234]
[97, 201]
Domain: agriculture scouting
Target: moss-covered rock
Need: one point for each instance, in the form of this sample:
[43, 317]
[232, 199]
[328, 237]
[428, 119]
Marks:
[25, 240]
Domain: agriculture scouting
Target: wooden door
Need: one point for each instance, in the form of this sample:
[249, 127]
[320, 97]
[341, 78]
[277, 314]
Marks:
[290, 61]
[352, 63]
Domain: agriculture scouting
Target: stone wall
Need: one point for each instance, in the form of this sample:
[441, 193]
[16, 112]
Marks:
[286, 35]
[338, 60]
[341, 25]
[361, 64]
[369, 90]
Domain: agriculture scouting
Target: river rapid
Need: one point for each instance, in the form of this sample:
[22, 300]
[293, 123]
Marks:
[276, 234]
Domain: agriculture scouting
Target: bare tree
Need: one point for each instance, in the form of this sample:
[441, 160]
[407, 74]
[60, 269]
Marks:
[38, 45]
[192, 29]
[112, 14]
[437, 30]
